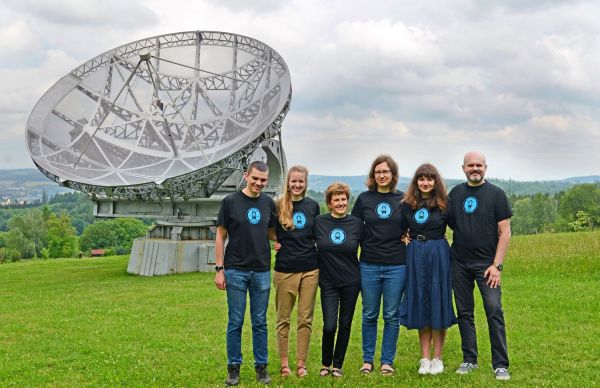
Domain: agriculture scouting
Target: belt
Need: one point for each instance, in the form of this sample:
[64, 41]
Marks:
[423, 238]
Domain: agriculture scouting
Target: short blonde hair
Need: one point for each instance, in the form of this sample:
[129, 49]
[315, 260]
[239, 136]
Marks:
[336, 188]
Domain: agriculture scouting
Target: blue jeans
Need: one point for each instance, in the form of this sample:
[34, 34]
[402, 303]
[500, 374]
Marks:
[258, 285]
[376, 281]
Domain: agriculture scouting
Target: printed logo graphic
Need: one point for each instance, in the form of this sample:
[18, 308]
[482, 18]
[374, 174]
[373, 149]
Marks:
[421, 216]
[253, 215]
[337, 236]
[299, 220]
[383, 210]
[470, 204]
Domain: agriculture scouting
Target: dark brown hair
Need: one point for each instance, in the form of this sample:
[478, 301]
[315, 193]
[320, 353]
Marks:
[259, 165]
[438, 197]
[372, 183]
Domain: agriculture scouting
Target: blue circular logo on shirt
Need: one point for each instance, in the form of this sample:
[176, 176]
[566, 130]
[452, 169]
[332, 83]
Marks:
[383, 210]
[470, 204]
[299, 220]
[253, 215]
[337, 236]
[421, 216]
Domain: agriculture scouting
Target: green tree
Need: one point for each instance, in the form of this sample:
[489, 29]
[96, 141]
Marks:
[583, 221]
[77, 205]
[27, 233]
[118, 234]
[9, 254]
[61, 237]
[585, 198]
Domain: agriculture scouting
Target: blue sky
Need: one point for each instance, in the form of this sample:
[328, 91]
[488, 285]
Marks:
[518, 80]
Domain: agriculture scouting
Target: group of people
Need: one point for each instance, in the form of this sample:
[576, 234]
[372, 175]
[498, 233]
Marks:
[405, 264]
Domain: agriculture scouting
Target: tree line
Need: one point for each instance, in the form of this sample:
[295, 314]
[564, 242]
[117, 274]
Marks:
[65, 225]
[575, 209]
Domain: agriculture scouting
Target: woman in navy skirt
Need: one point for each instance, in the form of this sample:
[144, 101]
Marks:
[427, 304]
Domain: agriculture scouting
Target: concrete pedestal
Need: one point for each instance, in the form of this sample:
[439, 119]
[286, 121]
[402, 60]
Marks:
[158, 256]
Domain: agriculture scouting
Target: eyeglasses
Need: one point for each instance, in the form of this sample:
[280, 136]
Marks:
[382, 172]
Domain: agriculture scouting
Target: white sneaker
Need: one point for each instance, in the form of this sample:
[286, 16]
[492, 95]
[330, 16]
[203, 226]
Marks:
[424, 366]
[502, 374]
[437, 366]
[466, 367]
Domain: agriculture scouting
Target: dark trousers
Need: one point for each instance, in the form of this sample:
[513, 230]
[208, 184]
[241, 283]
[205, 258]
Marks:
[464, 277]
[336, 300]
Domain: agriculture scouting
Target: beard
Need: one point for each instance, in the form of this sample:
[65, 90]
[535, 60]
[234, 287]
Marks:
[474, 179]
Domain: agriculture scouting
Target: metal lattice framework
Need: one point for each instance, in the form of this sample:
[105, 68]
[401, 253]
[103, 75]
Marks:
[172, 116]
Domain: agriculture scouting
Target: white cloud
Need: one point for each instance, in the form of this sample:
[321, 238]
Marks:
[419, 80]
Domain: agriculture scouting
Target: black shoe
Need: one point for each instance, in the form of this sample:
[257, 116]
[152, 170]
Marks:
[233, 375]
[262, 374]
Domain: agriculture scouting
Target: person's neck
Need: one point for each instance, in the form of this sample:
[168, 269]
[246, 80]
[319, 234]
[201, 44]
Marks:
[296, 198]
[475, 184]
[425, 195]
[335, 215]
[249, 193]
[383, 189]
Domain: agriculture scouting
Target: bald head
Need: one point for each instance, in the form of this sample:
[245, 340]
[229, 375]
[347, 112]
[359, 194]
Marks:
[474, 167]
[474, 155]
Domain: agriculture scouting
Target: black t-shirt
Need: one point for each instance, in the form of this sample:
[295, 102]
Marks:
[298, 252]
[337, 247]
[430, 223]
[247, 221]
[382, 216]
[474, 215]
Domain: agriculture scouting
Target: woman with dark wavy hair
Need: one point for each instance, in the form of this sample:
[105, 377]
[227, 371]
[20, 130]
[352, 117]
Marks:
[427, 304]
[382, 261]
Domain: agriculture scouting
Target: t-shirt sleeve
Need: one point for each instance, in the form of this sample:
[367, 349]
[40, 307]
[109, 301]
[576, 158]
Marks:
[273, 218]
[357, 209]
[404, 211]
[316, 209]
[450, 211]
[223, 218]
[502, 207]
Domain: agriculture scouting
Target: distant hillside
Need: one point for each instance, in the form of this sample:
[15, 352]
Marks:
[357, 184]
[27, 184]
[30, 183]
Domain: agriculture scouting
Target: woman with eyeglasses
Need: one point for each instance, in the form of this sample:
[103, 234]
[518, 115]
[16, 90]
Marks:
[382, 261]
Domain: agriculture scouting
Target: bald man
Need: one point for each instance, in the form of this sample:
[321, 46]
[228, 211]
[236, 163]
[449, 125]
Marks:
[480, 218]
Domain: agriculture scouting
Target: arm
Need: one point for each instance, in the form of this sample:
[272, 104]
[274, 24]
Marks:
[219, 250]
[493, 273]
[273, 237]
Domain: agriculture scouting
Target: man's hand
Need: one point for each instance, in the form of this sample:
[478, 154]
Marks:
[277, 246]
[493, 275]
[220, 280]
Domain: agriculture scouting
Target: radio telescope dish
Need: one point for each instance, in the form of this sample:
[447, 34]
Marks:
[172, 116]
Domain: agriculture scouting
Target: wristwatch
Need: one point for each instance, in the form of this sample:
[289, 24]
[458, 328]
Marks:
[221, 268]
[500, 267]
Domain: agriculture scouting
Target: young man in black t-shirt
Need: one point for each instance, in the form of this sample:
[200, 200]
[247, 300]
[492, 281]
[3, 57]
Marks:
[246, 218]
[480, 217]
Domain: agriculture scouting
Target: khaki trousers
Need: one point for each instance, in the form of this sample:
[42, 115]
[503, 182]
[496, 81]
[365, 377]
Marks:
[288, 287]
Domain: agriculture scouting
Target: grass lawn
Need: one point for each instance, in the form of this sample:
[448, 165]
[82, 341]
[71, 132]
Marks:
[85, 322]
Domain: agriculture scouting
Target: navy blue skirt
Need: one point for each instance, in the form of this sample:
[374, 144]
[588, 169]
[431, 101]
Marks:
[427, 298]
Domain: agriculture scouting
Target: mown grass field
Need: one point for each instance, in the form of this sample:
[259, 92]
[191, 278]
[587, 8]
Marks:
[85, 322]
